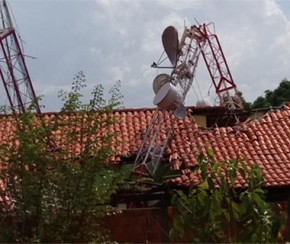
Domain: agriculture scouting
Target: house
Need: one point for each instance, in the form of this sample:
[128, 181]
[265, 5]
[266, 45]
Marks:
[264, 141]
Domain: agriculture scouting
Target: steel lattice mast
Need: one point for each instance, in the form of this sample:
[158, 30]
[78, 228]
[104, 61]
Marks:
[13, 70]
[217, 67]
[196, 41]
[153, 146]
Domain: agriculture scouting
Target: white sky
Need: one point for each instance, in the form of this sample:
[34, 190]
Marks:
[113, 40]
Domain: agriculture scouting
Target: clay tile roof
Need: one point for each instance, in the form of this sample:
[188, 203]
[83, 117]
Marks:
[264, 141]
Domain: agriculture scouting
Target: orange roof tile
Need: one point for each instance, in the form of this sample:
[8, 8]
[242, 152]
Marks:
[265, 141]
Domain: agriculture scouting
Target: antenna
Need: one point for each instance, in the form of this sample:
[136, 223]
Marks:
[168, 97]
[196, 21]
[180, 112]
[170, 43]
[171, 90]
[159, 81]
[13, 71]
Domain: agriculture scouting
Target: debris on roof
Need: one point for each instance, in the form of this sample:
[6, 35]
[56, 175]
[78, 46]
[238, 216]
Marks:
[264, 141]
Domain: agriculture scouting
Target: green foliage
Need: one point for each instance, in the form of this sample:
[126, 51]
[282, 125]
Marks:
[218, 211]
[246, 105]
[274, 98]
[72, 99]
[260, 102]
[60, 194]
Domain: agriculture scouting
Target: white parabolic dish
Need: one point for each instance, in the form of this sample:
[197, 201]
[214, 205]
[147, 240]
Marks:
[167, 97]
[159, 81]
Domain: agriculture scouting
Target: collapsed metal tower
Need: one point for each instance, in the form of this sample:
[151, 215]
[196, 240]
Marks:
[184, 55]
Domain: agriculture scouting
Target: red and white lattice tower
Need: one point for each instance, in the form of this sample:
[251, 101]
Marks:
[217, 66]
[13, 71]
[184, 55]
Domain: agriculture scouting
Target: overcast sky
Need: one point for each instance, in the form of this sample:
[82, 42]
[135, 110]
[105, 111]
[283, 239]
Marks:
[113, 40]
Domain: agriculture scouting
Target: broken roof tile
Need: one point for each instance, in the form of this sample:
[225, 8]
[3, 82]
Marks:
[264, 141]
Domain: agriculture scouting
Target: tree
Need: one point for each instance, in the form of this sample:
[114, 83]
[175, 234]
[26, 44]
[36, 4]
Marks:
[260, 102]
[60, 193]
[218, 211]
[246, 105]
[274, 98]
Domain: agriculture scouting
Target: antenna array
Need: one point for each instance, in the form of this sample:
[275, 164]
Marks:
[172, 90]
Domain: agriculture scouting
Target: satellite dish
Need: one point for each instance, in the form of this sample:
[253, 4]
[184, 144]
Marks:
[167, 97]
[170, 43]
[159, 81]
[180, 112]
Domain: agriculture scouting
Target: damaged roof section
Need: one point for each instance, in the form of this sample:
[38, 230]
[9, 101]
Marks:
[264, 141]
